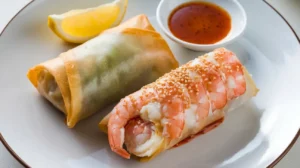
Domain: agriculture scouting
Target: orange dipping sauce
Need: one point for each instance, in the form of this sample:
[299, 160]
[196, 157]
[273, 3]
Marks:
[200, 22]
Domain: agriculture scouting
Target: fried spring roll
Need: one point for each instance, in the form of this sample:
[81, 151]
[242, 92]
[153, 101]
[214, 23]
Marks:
[101, 71]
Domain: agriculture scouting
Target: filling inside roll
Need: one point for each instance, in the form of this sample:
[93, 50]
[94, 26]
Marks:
[142, 138]
[49, 88]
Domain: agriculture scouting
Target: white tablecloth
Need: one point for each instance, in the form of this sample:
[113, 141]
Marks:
[290, 9]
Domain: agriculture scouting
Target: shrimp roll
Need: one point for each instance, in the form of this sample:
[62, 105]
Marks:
[187, 101]
[83, 80]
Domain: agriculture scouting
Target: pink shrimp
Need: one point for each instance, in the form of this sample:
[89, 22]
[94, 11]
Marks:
[173, 112]
[196, 90]
[171, 96]
[137, 132]
[172, 109]
[200, 97]
[231, 67]
[127, 109]
[212, 82]
[183, 87]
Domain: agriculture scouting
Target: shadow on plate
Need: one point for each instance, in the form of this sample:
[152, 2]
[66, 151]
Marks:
[86, 132]
[250, 155]
[240, 128]
[87, 142]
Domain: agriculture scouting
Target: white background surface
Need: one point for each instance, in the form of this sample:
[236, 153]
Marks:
[290, 9]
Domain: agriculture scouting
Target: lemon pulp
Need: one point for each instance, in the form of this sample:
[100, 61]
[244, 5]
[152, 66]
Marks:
[91, 22]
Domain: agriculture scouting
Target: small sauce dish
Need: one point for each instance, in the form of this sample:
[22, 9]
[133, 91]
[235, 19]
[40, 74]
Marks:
[202, 25]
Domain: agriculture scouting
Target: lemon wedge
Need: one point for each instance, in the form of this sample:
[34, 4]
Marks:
[81, 25]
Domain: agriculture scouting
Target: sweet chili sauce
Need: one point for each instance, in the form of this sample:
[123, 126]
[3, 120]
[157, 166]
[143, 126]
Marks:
[200, 22]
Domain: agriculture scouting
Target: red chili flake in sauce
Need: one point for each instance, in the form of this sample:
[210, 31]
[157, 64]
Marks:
[200, 22]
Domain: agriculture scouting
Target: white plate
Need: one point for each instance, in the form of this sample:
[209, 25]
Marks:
[252, 136]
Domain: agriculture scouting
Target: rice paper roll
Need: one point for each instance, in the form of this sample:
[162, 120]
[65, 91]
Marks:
[83, 80]
[189, 100]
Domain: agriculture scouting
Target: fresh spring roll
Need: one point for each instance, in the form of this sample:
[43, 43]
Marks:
[101, 71]
[179, 105]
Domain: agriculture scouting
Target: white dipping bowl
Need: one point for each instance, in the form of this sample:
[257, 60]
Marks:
[233, 7]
